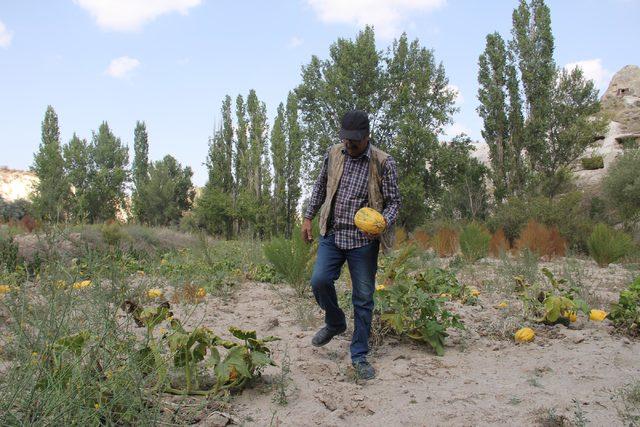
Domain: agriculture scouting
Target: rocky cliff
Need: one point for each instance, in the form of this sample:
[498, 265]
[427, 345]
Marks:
[16, 184]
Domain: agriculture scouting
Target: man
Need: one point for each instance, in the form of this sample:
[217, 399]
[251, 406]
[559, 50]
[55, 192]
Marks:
[354, 174]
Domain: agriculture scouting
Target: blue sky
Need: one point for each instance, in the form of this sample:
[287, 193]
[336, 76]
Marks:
[170, 62]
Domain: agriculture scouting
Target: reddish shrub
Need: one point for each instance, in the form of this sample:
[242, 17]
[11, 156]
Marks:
[445, 242]
[422, 239]
[28, 223]
[541, 240]
[498, 243]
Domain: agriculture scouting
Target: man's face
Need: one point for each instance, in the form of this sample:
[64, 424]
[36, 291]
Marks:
[355, 147]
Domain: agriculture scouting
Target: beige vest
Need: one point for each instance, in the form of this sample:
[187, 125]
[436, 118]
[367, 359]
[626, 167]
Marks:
[376, 201]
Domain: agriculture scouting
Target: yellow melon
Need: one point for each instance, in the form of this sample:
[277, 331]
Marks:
[525, 335]
[369, 221]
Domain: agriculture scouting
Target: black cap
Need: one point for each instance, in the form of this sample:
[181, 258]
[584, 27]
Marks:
[355, 125]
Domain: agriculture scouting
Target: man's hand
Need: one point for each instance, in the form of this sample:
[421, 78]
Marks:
[307, 234]
[375, 236]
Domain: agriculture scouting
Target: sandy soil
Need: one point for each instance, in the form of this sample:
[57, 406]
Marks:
[566, 375]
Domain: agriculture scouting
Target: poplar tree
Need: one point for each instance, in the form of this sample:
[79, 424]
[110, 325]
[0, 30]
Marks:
[52, 189]
[107, 176]
[279, 156]
[168, 192]
[140, 171]
[293, 161]
[76, 167]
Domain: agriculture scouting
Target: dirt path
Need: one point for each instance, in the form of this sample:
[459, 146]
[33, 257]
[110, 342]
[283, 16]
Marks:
[568, 375]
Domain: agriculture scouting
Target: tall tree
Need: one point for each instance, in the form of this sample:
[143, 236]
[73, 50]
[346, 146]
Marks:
[293, 161]
[108, 174]
[169, 191]
[493, 110]
[52, 189]
[258, 164]
[352, 78]
[279, 156]
[77, 161]
[140, 171]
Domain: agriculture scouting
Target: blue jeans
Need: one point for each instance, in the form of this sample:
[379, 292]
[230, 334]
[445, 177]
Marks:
[363, 264]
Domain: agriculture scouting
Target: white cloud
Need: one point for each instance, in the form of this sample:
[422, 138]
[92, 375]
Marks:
[5, 36]
[459, 99]
[295, 41]
[131, 15]
[121, 67]
[593, 70]
[387, 16]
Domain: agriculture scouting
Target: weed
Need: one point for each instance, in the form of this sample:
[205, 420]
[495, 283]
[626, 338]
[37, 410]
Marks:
[283, 380]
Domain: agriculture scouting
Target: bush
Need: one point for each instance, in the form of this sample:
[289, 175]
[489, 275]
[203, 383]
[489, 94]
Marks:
[541, 240]
[514, 214]
[445, 242]
[622, 185]
[592, 163]
[292, 260]
[474, 242]
[625, 314]
[15, 210]
[422, 239]
[607, 245]
[8, 253]
[629, 143]
[498, 243]
[112, 233]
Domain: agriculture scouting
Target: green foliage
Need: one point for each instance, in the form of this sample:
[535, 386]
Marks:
[625, 314]
[411, 308]
[140, 170]
[592, 163]
[52, 188]
[15, 210]
[404, 90]
[622, 185]
[77, 162]
[550, 302]
[107, 175]
[291, 259]
[265, 273]
[474, 242]
[8, 253]
[607, 245]
[515, 212]
[457, 181]
[112, 233]
[168, 193]
[629, 142]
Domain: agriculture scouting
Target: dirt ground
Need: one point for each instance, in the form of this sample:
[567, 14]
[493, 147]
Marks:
[567, 375]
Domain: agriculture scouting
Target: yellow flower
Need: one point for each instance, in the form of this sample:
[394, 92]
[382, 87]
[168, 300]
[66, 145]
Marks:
[140, 273]
[200, 293]
[445, 295]
[163, 261]
[108, 374]
[4, 289]
[82, 284]
[97, 405]
[162, 330]
[571, 315]
[154, 293]
[597, 315]
[379, 287]
[61, 284]
[474, 291]
[503, 304]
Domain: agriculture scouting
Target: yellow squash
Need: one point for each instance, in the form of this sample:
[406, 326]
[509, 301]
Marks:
[525, 335]
[369, 221]
[571, 315]
[597, 315]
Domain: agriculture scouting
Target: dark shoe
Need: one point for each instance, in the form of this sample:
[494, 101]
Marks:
[364, 370]
[325, 335]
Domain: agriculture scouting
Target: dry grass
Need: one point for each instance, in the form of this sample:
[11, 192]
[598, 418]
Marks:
[445, 242]
[422, 239]
[541, 240]
[498, 243]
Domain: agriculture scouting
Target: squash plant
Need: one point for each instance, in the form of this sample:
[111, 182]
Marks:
[411, 309]
[625, 314]
[198, 353]
[552, 303]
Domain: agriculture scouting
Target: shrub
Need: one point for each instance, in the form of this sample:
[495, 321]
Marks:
[15, 210]
[445, 242]
[629, 142]
[474, 241]
[514, 214]
[541, 240]
[592, 163]
[625, 314]
[622, 185]
[607, 245]
[422, 239]
[498, 243]
[8, 253]
[112, 233]
[401, 237]
[291, 259]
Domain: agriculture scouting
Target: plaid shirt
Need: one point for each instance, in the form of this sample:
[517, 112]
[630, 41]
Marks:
[351, 195]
